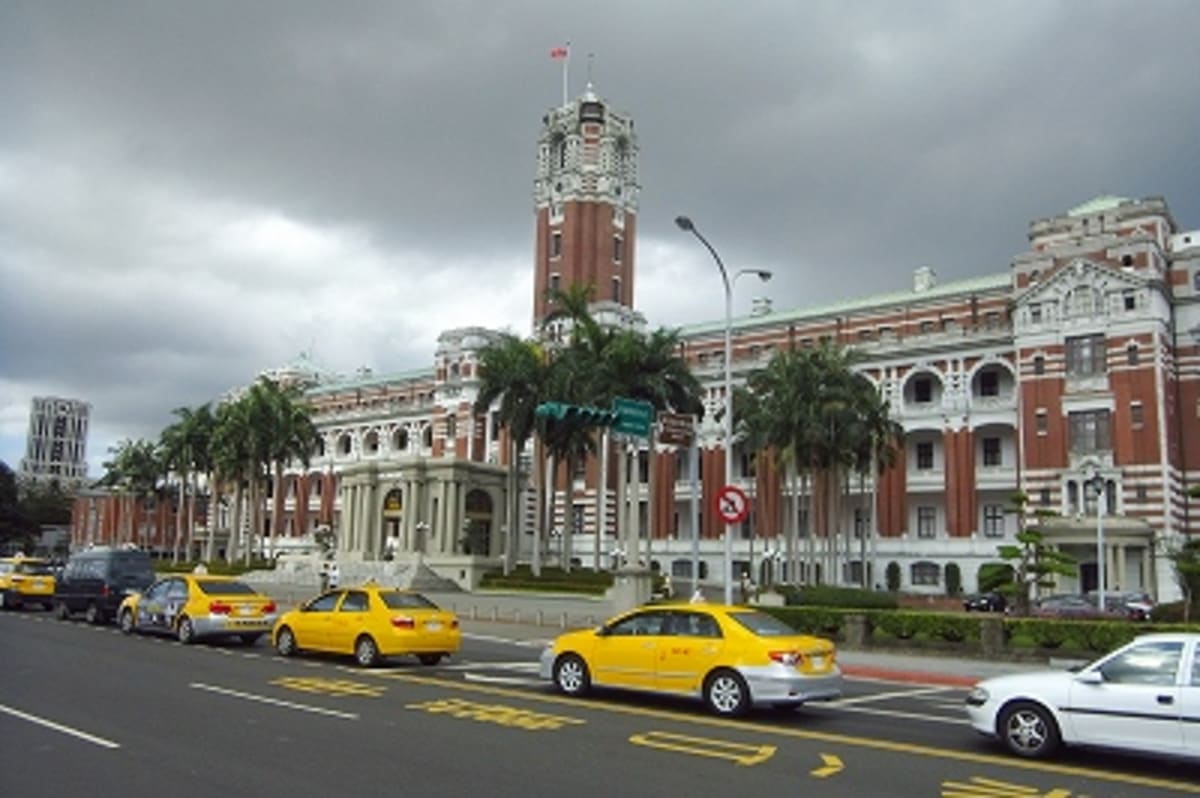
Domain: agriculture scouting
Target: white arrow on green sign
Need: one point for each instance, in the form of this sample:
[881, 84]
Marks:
[634, 417]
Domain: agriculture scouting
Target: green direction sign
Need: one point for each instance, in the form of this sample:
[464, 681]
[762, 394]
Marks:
[634, 417]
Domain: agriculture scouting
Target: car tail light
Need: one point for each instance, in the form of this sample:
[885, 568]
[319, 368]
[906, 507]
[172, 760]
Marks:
[788, 658]
[104, 591]
[220, 608]
[403, 622]
[269, 607]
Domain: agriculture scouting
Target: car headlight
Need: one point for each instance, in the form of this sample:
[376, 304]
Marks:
[977, 697]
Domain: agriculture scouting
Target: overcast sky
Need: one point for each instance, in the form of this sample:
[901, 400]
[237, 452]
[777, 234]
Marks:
[193, 192]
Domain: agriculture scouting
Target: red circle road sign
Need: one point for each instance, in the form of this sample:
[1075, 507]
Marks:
[732, 504]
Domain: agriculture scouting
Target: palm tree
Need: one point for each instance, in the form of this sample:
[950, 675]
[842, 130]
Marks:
[289, 435]
[512, 371]
[232, 465]
[184, 446]
[133, 472]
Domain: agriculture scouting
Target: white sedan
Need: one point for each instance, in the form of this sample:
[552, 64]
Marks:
[1143, 697]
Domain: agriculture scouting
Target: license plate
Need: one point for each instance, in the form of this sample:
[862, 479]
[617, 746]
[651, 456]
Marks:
[433, 626]
[39, 585]
[245, 610]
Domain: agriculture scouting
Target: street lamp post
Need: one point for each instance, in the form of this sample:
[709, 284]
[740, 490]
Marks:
[1097, 483]
[685, 224]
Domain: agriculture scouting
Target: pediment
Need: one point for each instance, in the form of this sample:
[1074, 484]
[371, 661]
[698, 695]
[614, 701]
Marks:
[1079, 273]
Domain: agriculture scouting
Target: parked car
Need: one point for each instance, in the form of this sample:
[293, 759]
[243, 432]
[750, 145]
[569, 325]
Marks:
[96, 581]
[985, 602]
[1142, 697]
[731, 657]
[370, 622]
[1135, 605]
[1068, 605]
[196, 606]
[25, 580]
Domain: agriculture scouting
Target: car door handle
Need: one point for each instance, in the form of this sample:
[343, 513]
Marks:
[1166, 699]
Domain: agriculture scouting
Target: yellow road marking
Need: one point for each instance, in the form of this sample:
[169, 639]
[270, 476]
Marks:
[702, 746]
[496, 713]
[334, 687]
[890, 746]
[833, 765]
[991, 788]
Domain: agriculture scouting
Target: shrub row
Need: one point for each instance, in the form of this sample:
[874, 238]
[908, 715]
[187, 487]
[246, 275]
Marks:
[217, 567]
[830, 596]
[1075, 637]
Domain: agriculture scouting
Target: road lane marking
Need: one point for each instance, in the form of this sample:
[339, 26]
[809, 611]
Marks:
[58, 727]
[897, 713]
[262, 699]
[510, 680]
[872, 743]
[832, 765]
[739, 753]
[333, 687]
[523, 666]
[991, 788]
[496, 713]
[507, 640]
[866, 699]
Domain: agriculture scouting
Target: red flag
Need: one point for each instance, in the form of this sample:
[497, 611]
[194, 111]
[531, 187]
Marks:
[558, 52]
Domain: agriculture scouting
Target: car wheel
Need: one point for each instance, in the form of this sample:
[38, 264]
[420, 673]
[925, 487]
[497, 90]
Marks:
[366, 652]
[571, 675]
[60, 610]
[126, 621]
[185, 631]
[1028, 730]
[285, 642]
[93, 614]
[430, 659]
[250, 638]
[726, 693]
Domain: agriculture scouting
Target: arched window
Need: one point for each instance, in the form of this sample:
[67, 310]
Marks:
[345, 445]
[427, 437]
[926, 573]
[400, 440]
[371, 443]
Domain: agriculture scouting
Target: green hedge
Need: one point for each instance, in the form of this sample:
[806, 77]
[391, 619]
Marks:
[841, 597]
[937, 630]
[552, 580]
[217, 567]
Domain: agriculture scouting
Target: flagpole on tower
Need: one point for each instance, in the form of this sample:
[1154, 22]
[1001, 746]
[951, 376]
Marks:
[566, 69]
[563, 54]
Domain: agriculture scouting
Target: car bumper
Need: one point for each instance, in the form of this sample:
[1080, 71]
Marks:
[216, 625]
[982, 718]
[778, 684]
[546, 664]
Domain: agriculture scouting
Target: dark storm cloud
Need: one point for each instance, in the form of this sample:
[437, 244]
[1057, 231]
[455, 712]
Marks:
[207, 189]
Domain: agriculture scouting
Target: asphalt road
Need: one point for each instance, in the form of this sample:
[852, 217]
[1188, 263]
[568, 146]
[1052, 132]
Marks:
[85, 710]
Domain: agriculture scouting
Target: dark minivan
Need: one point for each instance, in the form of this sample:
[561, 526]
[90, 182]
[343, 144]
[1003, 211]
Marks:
[95, 581]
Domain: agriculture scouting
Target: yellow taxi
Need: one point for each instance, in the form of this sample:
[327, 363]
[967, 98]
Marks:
[25, 580]
[370, 622]
[731, 657]
[196, 606]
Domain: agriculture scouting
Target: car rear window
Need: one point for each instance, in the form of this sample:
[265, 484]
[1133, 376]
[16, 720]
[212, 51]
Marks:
[395, 600]
[763, 625]
[215, 588]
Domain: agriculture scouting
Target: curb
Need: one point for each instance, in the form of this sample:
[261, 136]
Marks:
[910, 677]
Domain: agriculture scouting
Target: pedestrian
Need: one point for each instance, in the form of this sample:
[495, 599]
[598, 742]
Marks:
[334, 576]
[698, 596]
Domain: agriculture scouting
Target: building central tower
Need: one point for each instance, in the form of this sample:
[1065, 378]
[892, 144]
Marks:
[585, 196]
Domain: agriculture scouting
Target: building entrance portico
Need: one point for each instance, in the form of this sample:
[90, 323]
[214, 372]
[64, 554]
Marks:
[434, 508]
[1129, 562]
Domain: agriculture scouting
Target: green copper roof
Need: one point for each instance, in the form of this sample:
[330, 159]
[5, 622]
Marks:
[974, 285]
[1105, 202]
[372, 380]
